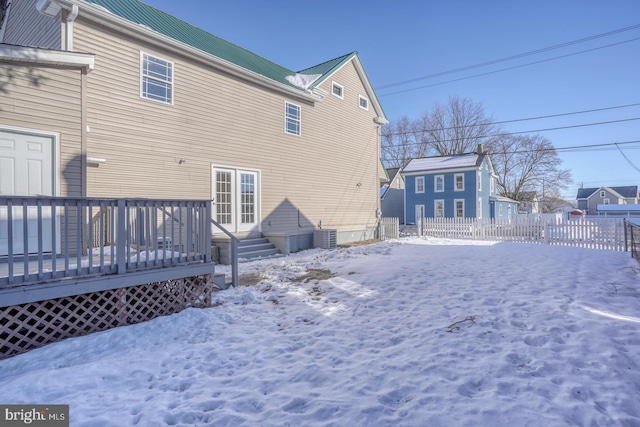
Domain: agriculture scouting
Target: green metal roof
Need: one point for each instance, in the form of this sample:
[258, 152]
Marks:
[142, 14]
[170, 26]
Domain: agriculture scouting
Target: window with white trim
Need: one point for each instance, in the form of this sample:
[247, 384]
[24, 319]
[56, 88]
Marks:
[438, 183]
[459, 208]
[493, 185]
[337, 90]
[438, 208]
[459, 182]
[606, 201]
[156, 78]
[479, 181]
[602, 194]
[419, 184]
[479, 207]
[500, 210]
[363, 102]
[292, 118]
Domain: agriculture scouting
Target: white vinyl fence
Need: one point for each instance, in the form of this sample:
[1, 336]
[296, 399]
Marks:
[594, 233]
[389, 228]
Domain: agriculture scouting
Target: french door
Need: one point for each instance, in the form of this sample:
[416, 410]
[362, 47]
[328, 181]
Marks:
[236, 198]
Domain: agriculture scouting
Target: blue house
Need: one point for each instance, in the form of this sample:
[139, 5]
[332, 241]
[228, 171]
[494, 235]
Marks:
[458, 186]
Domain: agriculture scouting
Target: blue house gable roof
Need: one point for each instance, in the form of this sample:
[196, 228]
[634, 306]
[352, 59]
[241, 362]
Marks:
[439, 163]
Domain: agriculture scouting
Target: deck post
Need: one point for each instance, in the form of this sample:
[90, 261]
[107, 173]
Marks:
[121, 236]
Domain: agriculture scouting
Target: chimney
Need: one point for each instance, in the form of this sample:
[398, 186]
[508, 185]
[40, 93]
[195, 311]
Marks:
[480, 148]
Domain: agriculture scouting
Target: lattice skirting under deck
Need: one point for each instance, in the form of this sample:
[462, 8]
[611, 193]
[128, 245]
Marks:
[28, 326]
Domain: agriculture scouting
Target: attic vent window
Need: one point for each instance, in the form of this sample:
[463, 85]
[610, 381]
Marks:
[156, 79]
[337, 90]
[364, 103]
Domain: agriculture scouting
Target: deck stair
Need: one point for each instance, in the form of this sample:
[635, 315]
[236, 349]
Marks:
[252, 248]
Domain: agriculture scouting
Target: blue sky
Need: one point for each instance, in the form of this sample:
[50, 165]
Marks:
[403, 40]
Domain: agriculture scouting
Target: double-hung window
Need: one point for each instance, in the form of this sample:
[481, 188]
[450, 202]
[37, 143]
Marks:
[156, 78]
[459, 182]
[459, 208]
[420, 184]
[439, 208]
[292, 118]
[479, 180]
[438, 184]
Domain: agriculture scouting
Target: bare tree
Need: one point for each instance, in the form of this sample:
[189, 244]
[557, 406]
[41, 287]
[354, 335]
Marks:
[400, 143]
[457, 127]
[527, 163]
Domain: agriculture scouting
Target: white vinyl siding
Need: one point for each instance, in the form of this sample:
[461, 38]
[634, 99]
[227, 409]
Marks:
[438, 184]
[156, 78]
[292, 119]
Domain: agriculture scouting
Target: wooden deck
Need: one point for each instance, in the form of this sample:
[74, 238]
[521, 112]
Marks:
[52, 247]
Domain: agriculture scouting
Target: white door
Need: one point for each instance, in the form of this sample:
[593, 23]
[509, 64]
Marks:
[26, 169]
[236, 195]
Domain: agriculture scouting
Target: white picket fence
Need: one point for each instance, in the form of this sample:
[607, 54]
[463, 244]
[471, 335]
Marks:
[389, 228]
[594, 233]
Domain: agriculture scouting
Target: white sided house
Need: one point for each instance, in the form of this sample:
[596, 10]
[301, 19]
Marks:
[114, 98]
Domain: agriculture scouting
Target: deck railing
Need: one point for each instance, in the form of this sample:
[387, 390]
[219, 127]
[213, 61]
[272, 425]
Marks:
[50, 238]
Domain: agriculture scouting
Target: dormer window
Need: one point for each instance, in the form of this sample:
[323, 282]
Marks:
[337, 90]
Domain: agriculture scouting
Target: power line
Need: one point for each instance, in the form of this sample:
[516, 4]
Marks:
[514, 133]
[510, 58]
[574, 148]
[571, 149]
[627, 159]
[510, 68]
[594, 110]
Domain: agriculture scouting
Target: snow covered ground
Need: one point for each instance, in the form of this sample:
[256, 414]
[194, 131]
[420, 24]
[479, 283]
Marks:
[414, 332]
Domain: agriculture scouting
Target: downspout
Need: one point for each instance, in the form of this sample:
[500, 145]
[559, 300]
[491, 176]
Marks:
[71, 16]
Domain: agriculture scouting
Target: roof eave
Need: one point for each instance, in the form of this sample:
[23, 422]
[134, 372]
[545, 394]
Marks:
[115, 22]
[27, 54]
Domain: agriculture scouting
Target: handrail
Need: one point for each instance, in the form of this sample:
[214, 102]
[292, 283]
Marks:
[234, 252]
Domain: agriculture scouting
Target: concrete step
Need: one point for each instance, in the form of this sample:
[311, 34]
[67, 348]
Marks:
[263, 253]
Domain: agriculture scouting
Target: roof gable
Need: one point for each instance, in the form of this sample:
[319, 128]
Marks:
[627, 192]
[166, 25]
